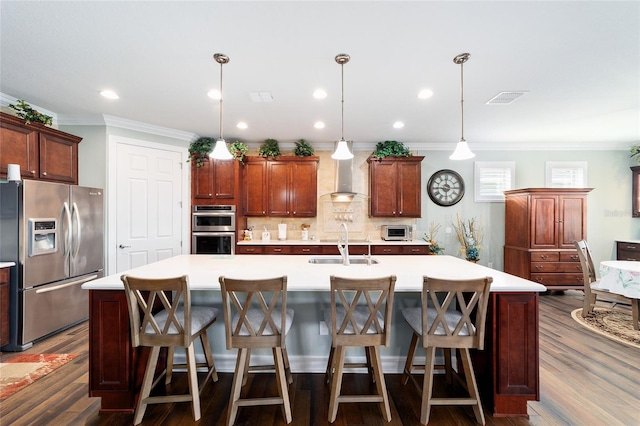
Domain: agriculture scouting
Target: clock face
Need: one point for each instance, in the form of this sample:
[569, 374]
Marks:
[445, 187]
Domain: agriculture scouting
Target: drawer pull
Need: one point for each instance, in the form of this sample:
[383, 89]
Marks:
[631, 248]
[544, 256]
[539, 267]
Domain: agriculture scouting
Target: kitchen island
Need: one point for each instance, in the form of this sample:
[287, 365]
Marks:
[507, 369]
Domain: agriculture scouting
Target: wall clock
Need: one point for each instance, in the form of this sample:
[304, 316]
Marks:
[445, 187]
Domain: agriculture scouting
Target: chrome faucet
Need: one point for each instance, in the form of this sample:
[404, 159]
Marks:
[343, 243]
[368, 255]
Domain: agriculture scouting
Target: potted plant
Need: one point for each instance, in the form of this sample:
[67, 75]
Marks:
[269, 149]
[391, 149]
[200, 148]
[238, 150]
[30, 115]
[303, 148]
[635, 153]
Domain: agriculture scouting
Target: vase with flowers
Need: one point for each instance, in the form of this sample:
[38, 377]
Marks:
[431, 238]
[470, 236]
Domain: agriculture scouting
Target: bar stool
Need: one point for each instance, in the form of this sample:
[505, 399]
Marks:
[177, 324]
[360, 315]
[443, 325]
[253, 320]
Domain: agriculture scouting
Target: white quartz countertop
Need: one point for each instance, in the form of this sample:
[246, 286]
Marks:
[203, 272]
[324, 242]
[6, 264]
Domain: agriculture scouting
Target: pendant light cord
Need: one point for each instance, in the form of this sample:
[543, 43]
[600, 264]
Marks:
[342, 102]
[462, 101]
[220, 100]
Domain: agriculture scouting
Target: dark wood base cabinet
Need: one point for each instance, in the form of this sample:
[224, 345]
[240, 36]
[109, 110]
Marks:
[507, 368]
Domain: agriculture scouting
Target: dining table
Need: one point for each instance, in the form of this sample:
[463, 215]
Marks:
[621, 277]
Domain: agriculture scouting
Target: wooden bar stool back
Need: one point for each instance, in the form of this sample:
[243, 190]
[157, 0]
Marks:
[452, 316]
[256, 316]
[360, 316]
[175, 323]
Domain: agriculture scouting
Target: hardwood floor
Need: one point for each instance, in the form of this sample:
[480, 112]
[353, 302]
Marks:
[585, 379]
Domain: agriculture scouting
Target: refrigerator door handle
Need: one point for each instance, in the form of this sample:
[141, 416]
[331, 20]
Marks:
[61, 286]
[75, 246]
[65, 217]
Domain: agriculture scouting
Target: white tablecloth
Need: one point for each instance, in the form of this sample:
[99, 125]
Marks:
[621, 277]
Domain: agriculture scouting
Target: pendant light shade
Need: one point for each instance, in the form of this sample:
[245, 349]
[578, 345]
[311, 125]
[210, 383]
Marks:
[342, 150]
[220, 150]
[462, 151]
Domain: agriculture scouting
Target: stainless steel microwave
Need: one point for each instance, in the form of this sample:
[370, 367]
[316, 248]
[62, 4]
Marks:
[395, 232]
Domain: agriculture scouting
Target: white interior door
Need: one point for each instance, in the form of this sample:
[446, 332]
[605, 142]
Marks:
[148, 204]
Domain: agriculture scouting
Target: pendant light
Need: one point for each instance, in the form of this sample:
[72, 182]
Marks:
[342, 149]
[220, 151]
[462, 151]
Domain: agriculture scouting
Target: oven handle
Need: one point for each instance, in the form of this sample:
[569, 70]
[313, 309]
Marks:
[214, 214]
[61, 286]
[213, 233]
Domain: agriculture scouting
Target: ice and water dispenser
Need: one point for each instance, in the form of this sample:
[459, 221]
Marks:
[43, 236]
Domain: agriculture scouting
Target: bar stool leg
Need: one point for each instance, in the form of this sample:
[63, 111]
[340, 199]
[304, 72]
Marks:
[336, 383]
[236, 387]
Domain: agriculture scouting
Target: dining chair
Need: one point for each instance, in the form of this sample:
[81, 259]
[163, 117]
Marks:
[360, 316]
[593, 292]
[452, 316]
[256, 316]
[161, 315]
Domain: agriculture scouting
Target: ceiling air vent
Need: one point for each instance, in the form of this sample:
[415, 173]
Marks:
[261, 96]
[505, 98]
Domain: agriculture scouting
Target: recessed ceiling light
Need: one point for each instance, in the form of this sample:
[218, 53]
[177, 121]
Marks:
[319, 125]
[109, 94]
[425, 93]
[398, 125]
[214, 94]
[242, 125]
[319, 94]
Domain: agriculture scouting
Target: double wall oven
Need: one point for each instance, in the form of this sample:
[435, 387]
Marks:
[213, 230]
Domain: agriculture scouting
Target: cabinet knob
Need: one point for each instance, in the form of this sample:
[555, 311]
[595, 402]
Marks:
[33, 172]
[538, 267]
[44, 173]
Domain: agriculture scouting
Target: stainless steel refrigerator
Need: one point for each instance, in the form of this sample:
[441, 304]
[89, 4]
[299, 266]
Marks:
[54, 233]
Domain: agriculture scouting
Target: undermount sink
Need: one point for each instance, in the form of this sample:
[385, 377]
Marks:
[337, 260]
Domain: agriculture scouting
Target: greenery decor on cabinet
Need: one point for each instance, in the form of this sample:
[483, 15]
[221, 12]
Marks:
[200, 148]
[303, 149]
[391, 149]
[269, 149]
[238, 150]
[635, 153]
[30, 115]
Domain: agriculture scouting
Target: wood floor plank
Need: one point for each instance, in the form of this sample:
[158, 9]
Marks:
[585, 379]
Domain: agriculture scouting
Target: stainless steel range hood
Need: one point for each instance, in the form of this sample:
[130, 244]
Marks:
[344, 177]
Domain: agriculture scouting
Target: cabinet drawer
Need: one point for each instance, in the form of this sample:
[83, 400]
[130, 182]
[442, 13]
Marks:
[305, 250]
[537, 267]
[558, 279]
[249, 250]
[416, 250]
[277, 250]
[628, 251]
[387, 250]
[569, 257]
[545, 256]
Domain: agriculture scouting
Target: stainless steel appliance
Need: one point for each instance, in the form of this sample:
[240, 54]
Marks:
[395, 232]
[213, 230]
[54, 233]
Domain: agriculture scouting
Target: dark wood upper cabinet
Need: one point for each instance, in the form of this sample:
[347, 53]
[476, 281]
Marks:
[395, 186]
[285, 186]
[215, 182]
[42, 152]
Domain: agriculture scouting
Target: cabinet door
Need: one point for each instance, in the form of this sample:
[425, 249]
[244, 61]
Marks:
[279, 188]
[304, 189]
[255, 188]
[409, 175]
[58, 159]
[382, 189]
[572, 222]
[202, 180]
[19, 145]
[544, 221]
[224, 182]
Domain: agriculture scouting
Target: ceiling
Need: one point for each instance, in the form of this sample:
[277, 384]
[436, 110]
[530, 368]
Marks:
[577, 61]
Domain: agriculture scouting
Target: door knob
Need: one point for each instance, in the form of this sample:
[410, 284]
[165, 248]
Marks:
[122, 246]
